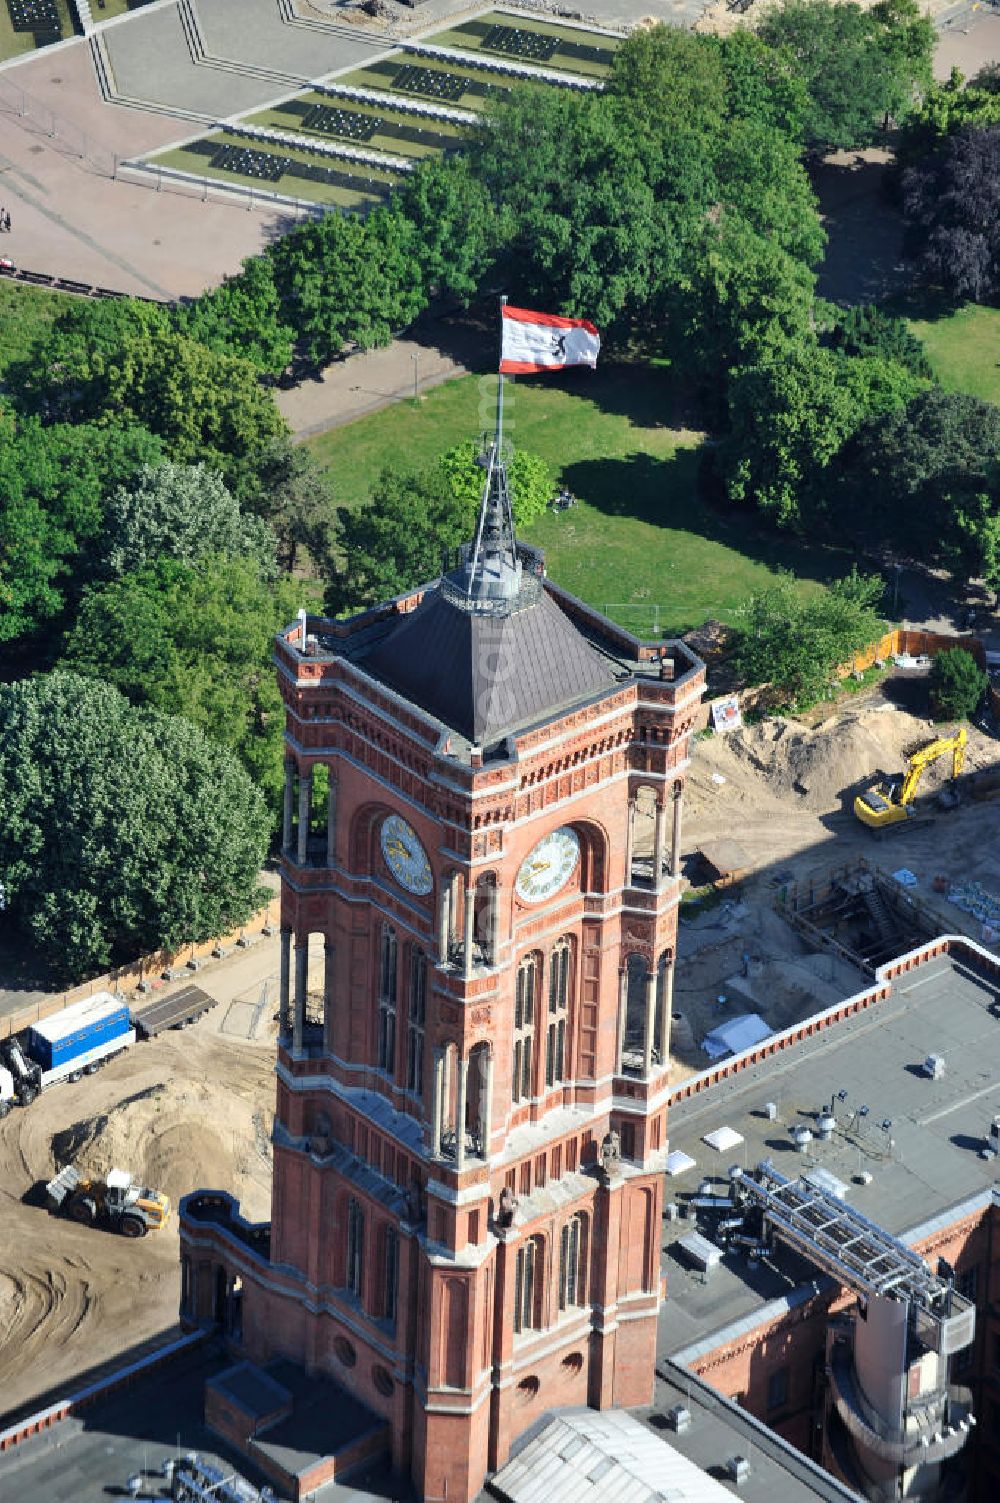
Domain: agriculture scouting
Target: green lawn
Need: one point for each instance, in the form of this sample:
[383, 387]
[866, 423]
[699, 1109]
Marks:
[360, 183]
[111, 8]
[640, 537]
[964, 350]
[25, 315]
[576, 51]
[399, 132]
[479, 83]
[13, 43]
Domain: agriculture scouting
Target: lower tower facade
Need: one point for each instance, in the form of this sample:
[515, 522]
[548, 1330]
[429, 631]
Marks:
[482, 830]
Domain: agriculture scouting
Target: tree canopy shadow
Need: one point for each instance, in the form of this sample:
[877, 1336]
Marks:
[665, 493]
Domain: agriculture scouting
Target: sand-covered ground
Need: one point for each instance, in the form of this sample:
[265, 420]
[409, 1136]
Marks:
[784, 792]
[190, 1108]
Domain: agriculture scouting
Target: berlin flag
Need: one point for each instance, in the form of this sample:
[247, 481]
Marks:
[545, 342]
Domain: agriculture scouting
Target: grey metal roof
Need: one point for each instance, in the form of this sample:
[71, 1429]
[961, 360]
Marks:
[607, 1456]
[924, 1165]
[486, 674]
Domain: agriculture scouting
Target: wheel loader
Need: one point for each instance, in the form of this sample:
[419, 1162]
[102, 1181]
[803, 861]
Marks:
[117, 1201]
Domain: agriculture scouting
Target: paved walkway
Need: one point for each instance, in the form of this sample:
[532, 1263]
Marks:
[364, 383]
[72, 220]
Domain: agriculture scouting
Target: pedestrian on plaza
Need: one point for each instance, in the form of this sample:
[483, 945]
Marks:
[3, 218]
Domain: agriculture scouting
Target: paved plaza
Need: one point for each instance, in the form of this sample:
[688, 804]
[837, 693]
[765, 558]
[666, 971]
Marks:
[61, 138]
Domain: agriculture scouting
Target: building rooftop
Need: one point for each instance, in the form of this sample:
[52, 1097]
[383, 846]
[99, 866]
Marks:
[484, 673]
[615, 1456]
[919, 1139]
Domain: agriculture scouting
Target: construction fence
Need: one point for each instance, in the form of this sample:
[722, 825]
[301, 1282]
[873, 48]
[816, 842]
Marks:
[149, 971]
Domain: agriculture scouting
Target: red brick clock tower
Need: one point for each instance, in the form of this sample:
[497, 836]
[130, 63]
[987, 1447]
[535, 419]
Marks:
[482, 821]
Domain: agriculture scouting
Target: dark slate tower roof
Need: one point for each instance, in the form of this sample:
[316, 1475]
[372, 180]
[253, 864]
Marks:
[488, 649]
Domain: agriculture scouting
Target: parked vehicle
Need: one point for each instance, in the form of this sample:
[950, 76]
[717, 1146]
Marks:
[71, 1043]
[117, 1200]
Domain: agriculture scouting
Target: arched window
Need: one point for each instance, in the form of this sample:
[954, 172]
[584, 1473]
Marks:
[572, 1259]
[528, 1285]
[390, 1274]
[524, 1028]
[555, 1037]
[387, 1000]
[355, 1247]
[415, 1021]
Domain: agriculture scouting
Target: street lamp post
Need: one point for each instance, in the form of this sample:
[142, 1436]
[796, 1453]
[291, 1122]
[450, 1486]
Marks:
[416, 374]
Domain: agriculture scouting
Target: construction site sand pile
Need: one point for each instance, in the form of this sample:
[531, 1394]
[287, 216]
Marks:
[817, 767]
[176, 1137]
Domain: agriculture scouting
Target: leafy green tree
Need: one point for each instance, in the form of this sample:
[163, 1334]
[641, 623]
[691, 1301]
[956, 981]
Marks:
[53, 486]
[205, 406]
[859, 67]
[581, 226]
[348, 281]
[790, 417]
[673, 81]
[760, 175]
[121, 832]
[66, 375]
[183, 512]
[454, 221]
[867, 330]
[908, 474]
[957, 684]
[763, 84]
[195, 641]
[293, 495]
[398, 540]
[952, 208]
[795, 644]
[531, 482]
[242, 317]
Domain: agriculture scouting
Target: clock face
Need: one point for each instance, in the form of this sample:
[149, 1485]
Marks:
[405, 856]
[550, 865]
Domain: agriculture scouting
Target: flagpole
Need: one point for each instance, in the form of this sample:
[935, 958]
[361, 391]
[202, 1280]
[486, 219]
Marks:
[503, 303]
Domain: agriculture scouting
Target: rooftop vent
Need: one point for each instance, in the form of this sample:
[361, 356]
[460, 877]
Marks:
[802, 1137]
[934, 1066]
[680, 1418]
[771, 1110]
[738, 1469]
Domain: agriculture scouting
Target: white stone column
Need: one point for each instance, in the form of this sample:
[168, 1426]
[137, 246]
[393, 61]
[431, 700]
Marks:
[437, 1105]
[463, 1092]
[647, 1057]
[301, 980]
[622, 1015]
[470, 926]
[486, 1116]
[675, 837]
[666, 1010]
[446, 1090]
[493, 924]
[305, 812]
[630, 842]
[659, 842]
[329, 994]
[444, 921]
[284, 983]
[331, 823]
[286, 823]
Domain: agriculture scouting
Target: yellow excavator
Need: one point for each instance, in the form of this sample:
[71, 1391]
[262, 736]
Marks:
[891, 802]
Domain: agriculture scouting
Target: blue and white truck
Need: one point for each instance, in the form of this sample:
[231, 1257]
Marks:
[70, 1043]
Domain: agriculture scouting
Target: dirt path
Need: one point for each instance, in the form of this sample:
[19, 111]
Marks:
[437, 348]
